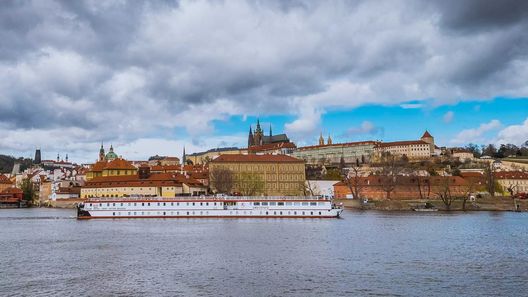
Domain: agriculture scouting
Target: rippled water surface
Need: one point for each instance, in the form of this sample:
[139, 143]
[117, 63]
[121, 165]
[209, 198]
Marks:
[48, 252]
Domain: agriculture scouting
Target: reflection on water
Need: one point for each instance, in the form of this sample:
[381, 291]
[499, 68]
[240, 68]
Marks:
[48, 252]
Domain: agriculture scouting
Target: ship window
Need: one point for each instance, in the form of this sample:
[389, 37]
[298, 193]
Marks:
[201, 203]
[187, 203]
[303, 213]
[163, 213]
[113, 204]
[134, 203]
[193, 203]
[207, 203]
[264, 203]
[187, 213]
[311, 213]
[280, 203]
[274, 212]
[273, 203]
[296, 203]
[288, 203]
[305, 203]
[266, 213]
[142, 203]
[135, 213]
[256, 203]
[172, 203]
[177, 203]
[113, 213]
[280, 213]
[294, 212]
[129, 213]
[158, 204]
[148, 204]
[319, 213]
[214, 203]
[313, 203]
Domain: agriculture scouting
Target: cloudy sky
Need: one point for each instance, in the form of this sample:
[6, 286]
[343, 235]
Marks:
[150, 77]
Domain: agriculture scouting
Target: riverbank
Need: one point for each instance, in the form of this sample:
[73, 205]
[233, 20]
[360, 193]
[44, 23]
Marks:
[482, 204]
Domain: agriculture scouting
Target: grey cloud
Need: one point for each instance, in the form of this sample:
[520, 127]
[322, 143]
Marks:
[477, 15]
[127, 69]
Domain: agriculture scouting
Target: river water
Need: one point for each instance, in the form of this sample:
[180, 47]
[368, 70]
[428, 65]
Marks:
[47, 252]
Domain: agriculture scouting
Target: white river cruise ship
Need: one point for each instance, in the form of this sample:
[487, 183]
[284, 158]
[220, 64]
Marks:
[208, 207]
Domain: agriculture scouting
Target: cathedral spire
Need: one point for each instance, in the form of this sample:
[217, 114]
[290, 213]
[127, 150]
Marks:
[321, 139]
[271, 133]
[329, 141]
[251, 139]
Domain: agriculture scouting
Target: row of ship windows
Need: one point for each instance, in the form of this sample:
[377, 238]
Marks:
[192, 213]
[207, 204]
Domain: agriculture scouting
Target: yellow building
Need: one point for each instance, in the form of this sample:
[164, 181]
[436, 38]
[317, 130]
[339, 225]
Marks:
[143, 184]
[116, 167]
[516, 181]
[279, 174]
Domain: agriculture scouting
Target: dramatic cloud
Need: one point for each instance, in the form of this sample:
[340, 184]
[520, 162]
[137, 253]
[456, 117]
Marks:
[476, 135]
[122, 71]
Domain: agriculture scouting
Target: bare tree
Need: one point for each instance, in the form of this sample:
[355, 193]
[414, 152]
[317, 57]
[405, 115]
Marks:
[250, 184]
[423, 186]
[221, 180]
[352, 178]
[489, 173]
[390, 169]
[311, 189]
[442, 188]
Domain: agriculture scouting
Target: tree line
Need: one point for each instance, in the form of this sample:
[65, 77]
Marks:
[501, 151]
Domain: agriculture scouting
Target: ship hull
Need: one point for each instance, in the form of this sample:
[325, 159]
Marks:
[132, 209]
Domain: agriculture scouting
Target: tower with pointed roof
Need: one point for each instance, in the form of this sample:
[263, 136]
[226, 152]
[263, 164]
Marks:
[258, 134]
[427, 137]
[321, 139]
[251, 140]
[101, 153]
[329, 141]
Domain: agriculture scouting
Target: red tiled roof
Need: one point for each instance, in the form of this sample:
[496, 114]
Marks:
[511, 175]
[426, 134]
[119, 163]
[12, 190]
[156, 179]
[257, 159]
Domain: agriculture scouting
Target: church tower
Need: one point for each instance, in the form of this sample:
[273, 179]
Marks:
[258, 134]
[251, 139]
[329, 141]
[38, 158]
[428, 138]
[321, 139]
[101, 153]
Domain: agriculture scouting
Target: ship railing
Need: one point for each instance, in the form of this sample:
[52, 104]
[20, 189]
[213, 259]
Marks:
[203, 197]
